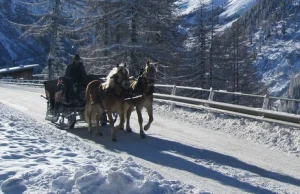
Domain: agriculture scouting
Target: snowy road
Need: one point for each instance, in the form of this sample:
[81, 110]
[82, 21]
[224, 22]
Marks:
[195, 154]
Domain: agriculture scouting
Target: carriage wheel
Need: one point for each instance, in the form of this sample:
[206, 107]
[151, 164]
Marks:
[48, 111]
[71, 121]
[103, 119]
[62, 122]
[81, 116]
[115, 116]
[55, 118]
[72, 125]
[51, 116]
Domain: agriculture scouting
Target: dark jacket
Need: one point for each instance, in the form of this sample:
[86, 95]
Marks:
[76, 73]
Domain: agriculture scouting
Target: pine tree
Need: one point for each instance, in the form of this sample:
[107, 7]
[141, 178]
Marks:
[135, 30]
[53, 24]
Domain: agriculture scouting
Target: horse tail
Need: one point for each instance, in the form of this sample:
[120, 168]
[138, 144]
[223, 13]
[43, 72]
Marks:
[91, 97]
[87, 102]
[85, 114]
[87, 93]
[91, 92]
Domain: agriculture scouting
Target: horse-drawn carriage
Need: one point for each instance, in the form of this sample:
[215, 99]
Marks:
[58, 109]
[99, 98]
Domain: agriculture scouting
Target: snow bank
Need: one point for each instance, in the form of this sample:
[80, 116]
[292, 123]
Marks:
[274, 136]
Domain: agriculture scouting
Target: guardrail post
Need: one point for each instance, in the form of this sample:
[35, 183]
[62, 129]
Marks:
[173, 93]
[211, 95]
[266, 101]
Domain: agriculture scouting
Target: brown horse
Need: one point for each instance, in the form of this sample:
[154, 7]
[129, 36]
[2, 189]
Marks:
[142, 91]
[107, 96]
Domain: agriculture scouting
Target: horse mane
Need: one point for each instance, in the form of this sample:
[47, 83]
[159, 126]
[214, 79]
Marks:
[152, 64]
[135, 84]
[109, 83]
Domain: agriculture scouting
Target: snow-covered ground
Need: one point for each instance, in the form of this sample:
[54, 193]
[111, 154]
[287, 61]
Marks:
[186, 151]
[37, 158]
[237, 7]
[232, 7]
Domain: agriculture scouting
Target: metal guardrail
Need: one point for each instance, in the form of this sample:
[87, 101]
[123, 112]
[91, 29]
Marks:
[259, 112]
[213, 92]
[23, 82]
[280, 116]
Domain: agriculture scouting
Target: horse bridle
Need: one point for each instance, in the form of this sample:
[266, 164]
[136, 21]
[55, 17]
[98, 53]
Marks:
[115, 77]
[149, 77]
[120, 84]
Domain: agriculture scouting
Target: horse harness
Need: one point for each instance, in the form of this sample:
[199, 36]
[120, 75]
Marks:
[103, 92]
[138, 91]
[131, 93]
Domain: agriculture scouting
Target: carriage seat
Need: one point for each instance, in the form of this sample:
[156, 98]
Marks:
[79, 86]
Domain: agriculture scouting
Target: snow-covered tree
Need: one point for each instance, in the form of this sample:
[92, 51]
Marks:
[129, 31]
[293, 92]
[53, 23]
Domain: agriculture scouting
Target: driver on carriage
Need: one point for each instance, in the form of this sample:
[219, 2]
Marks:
[75, 73]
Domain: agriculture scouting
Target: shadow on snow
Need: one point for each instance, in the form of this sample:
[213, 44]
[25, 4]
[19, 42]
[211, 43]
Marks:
[153, 149]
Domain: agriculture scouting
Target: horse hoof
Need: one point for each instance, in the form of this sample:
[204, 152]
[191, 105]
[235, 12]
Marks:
[143, 136]
[146, 128]
[99, 134]
[114, 139]
[129, 130]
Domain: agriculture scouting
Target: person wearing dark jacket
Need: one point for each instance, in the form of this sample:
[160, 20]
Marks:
[75, 73]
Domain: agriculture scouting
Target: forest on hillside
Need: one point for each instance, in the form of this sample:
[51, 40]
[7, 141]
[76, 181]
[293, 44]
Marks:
[108, 32]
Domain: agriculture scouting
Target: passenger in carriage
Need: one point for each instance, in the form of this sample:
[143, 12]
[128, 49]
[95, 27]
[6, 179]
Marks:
[75, 73]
